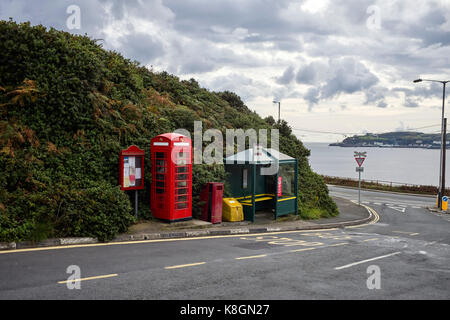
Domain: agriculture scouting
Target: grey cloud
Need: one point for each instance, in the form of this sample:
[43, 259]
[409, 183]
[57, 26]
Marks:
[247, 88]
[287, 76]
[312, 96]
[425, 28]
[311, 73]
[53, 13]
[376, 95]
[409, 103]
[307, 75]
[422, 90]
[200, 36]
[290, 45]
[203, 56]
[345, 75]
[197, 15]
[141, 47]
[349, 77]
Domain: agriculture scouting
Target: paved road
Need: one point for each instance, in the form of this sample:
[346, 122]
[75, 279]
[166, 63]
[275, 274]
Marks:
[408, 248]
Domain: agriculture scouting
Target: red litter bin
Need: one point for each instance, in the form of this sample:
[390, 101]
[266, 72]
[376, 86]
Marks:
[212, 195]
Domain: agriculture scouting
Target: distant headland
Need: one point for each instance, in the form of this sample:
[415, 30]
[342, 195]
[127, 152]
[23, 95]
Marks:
[405, 139]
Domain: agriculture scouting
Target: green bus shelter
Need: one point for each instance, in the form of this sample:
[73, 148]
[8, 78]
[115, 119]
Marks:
[258, 191]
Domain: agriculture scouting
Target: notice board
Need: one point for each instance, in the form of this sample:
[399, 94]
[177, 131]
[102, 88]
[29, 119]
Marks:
[131, 168]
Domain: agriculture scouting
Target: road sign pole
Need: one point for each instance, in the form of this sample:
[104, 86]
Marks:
[359, 189]
[359, 157]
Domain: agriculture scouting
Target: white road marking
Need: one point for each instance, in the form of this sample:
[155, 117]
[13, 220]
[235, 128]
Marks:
[89, 278]
[399, 209]
[367, 260]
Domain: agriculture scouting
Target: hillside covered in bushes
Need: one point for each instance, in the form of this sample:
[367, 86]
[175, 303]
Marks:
[67, 108]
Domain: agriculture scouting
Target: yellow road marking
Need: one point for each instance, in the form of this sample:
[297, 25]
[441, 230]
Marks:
[89, 278]
[338, 244]
[154, 241]
[185, 265]
[252, 257]
[373, 239]
[408, 233]
[373, 212]
[304, 249]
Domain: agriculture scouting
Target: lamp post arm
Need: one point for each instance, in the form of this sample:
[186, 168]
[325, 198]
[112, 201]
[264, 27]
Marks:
[443, 82]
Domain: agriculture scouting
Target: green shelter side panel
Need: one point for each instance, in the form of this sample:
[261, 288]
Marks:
[286, 207]
[248, 213]
[241, 183]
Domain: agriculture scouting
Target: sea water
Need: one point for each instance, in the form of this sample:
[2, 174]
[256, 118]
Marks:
[398, 165]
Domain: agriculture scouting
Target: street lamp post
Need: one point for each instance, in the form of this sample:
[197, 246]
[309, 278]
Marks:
[441, 190]
[279, 107]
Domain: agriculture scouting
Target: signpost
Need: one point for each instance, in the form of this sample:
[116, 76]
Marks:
[359, 157]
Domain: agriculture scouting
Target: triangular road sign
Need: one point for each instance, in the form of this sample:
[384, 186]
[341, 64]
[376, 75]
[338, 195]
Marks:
[360, 161]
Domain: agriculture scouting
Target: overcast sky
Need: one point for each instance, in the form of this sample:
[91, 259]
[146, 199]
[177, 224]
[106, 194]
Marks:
[342, 66]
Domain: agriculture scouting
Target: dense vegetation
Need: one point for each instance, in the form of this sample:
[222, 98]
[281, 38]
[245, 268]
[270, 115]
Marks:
[396, 139]
[67, 108]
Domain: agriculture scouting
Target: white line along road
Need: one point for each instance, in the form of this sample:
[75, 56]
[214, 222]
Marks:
[368, 260]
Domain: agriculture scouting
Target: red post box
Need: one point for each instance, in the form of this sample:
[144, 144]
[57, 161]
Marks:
[212, 195]
[171, 191]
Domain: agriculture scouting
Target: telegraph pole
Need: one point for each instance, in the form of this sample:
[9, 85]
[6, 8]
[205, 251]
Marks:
[444, 142]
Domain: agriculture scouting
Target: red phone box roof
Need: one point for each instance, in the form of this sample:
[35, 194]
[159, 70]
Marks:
[171, 138]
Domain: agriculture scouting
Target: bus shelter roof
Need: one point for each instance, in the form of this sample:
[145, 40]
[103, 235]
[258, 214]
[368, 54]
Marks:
[258, 156]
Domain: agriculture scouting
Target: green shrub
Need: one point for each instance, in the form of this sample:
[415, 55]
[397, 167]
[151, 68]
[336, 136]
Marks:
[100, 212]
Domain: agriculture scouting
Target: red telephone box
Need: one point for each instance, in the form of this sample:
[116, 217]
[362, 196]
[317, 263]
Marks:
[171, 191]
[131, 168]
[212, 195]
